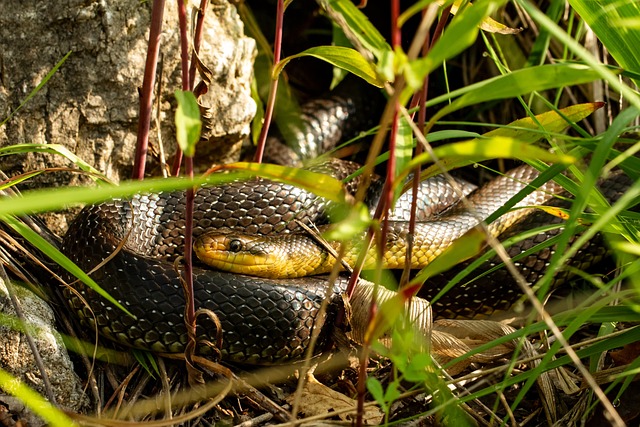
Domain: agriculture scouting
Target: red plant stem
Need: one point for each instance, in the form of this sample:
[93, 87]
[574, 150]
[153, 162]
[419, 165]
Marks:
[395, 30]
[387, 192]
[383, 206]
[271, 101]
[187, 81]
[197, 39]
[190, 317]
[422, 115]
[440, 27]
[177, 162]
[421, 100]
[148, 81]
[387, 195]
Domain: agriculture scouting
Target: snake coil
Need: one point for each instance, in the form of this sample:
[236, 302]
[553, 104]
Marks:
[263, 320]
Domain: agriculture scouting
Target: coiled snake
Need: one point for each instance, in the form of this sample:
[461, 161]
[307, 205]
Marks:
[263, 320]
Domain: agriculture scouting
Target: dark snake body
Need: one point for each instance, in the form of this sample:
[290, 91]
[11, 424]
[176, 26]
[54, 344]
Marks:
[263, 320]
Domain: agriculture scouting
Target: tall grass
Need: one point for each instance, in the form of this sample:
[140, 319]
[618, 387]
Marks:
[557, 67]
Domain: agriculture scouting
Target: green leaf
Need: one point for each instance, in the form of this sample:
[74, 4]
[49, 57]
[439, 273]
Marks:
[404, 143]
[356, 221]
[59, 258]
[488, 24]
[148, 361]
[628, 247]
[460, 34]
[45, 200]
[538, 53]
[375, 388]
[479, 149]
[97, 352]
[523, 131]
[617, 25]
[258, 119]
[338, 38]
[416, 369]
[341, 57]
[517, 83]
[581, 53]
[392, 393]
[188, 123]
[387, 65]
[51, 149]
[530, 130]
[358, 25]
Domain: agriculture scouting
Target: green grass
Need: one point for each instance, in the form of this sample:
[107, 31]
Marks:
[541, 86]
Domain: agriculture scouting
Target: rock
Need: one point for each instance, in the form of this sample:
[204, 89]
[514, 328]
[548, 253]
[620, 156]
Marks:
[17, 358]
[90, 105]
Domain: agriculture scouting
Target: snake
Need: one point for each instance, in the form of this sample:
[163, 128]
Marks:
[263, 320]
[299, 254]
[132, 249]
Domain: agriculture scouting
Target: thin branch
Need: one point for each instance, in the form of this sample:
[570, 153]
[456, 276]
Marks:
[271, 101]
[146, 97]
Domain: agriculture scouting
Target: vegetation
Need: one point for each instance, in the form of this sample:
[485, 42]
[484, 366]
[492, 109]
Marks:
[538, 95]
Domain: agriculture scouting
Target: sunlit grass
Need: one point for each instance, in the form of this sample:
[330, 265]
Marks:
[537, 84]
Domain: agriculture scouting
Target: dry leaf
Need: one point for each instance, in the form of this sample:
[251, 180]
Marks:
[318, 399]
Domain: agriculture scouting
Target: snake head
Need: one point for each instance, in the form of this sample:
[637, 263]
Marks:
[236, 253]
[278, 256]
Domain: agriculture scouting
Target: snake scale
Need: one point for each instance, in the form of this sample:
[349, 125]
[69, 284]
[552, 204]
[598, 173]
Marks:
[263, 320]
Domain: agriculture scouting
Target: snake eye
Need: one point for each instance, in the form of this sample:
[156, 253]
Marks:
[235, 245]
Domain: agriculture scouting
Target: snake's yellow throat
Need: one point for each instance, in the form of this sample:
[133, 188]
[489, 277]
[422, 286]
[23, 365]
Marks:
[262, 256]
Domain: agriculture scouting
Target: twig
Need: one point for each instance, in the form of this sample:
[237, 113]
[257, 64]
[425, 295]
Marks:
[256, 421]
[148, 81]
[268, 114]
[322, 242]
[256, 396]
